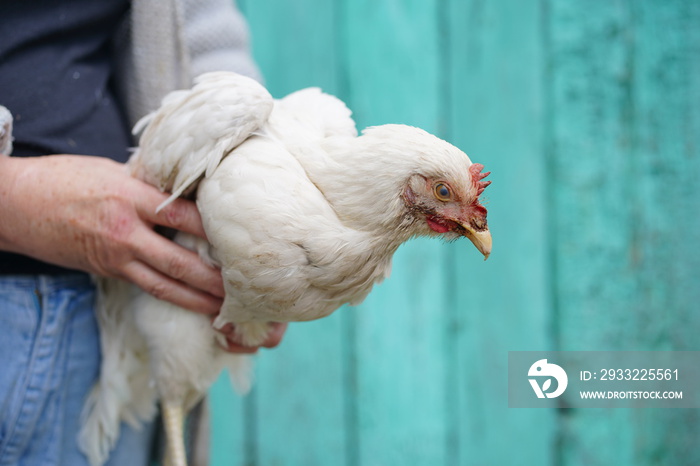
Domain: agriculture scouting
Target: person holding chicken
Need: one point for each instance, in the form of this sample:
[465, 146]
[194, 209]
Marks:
[76, 76]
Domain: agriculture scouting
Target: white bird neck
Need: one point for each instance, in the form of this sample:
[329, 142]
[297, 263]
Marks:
[364, 184]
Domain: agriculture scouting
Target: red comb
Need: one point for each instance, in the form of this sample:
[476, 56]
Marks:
[477, 176]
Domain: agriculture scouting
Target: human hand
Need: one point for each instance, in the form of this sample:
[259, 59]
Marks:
[274, 337]
[88, 213]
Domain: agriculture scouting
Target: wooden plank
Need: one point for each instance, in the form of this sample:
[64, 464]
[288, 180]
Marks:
[401, 405]
[300, 391]
[229, 433]
[495, 90]
[400, 408]
[296, 416]
[392, 61]
[624, 125]
[295, 43]
[590, 101]
[300, 415]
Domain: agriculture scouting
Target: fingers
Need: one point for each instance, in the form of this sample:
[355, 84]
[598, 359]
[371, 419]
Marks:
[181, 214]
[165, 269]
[232, 347]
[274, 337]
[277, 330]
[177, 263]
[167, 289]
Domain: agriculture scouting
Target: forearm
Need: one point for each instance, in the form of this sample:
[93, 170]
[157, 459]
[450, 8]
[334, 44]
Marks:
[50, 208]
[87, 213]
[13, 222]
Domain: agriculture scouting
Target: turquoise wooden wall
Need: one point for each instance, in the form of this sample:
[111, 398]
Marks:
[588, 115]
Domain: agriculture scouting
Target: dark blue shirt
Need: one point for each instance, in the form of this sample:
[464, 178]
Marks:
[56, 72]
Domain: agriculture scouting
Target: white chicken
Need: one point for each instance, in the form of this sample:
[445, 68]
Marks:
[302, 216]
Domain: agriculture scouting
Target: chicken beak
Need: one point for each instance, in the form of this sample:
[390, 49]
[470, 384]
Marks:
[480, 239]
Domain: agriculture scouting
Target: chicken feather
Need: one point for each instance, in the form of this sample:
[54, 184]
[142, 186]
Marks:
[302, 216]
[192, 131]
[5, 131]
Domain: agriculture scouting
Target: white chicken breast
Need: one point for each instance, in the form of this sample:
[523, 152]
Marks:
[302, 216]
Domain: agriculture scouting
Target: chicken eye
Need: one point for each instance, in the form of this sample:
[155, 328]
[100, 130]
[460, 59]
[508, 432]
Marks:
[442, 192]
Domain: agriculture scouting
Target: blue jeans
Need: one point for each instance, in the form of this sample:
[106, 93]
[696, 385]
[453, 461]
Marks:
[49, 360]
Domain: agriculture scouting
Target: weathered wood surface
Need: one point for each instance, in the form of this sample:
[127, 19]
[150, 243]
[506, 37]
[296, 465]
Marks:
[588, 115]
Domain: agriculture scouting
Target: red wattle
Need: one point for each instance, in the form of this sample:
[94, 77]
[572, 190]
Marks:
[436, 226]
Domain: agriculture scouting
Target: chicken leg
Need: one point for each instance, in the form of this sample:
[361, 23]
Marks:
[173, 420]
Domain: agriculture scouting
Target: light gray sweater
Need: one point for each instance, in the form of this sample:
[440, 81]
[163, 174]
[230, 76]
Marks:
[165, 44]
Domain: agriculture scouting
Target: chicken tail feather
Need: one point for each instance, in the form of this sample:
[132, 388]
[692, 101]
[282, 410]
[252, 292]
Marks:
[123, 392]
[240, 372]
